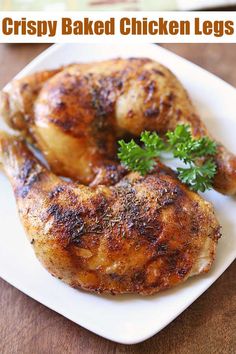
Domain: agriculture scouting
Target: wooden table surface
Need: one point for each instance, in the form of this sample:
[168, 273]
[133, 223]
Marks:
[207, 327]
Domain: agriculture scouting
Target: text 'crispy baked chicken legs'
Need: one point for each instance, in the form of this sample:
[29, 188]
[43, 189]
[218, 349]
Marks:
[140, 236]
[75, 114]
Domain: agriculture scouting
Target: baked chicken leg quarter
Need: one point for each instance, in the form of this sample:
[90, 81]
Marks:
[141, 235]
[75, 114]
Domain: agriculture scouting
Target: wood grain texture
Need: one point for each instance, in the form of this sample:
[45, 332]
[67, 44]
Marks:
[206, 327]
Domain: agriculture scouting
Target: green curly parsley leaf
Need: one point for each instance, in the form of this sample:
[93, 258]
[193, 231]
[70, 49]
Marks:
[198, 178]
[183, 146]
[181, 134]
[139, 159]
[188, 149]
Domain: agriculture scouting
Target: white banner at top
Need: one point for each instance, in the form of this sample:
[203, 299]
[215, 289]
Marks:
[101, 27]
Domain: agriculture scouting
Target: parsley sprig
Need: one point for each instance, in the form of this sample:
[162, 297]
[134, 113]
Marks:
[139, 159]
[197, 175]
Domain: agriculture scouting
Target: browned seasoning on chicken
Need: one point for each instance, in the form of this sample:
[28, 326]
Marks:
[141, 235]
[76, 114]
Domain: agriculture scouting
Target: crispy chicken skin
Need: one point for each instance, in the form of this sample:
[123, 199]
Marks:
[75, 114]
[142, 235]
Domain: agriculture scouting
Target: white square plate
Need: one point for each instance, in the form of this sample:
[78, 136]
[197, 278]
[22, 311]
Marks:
[124, 319]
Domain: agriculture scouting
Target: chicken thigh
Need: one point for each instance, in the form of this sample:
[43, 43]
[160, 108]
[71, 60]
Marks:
[142, 235]
[76, 114]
